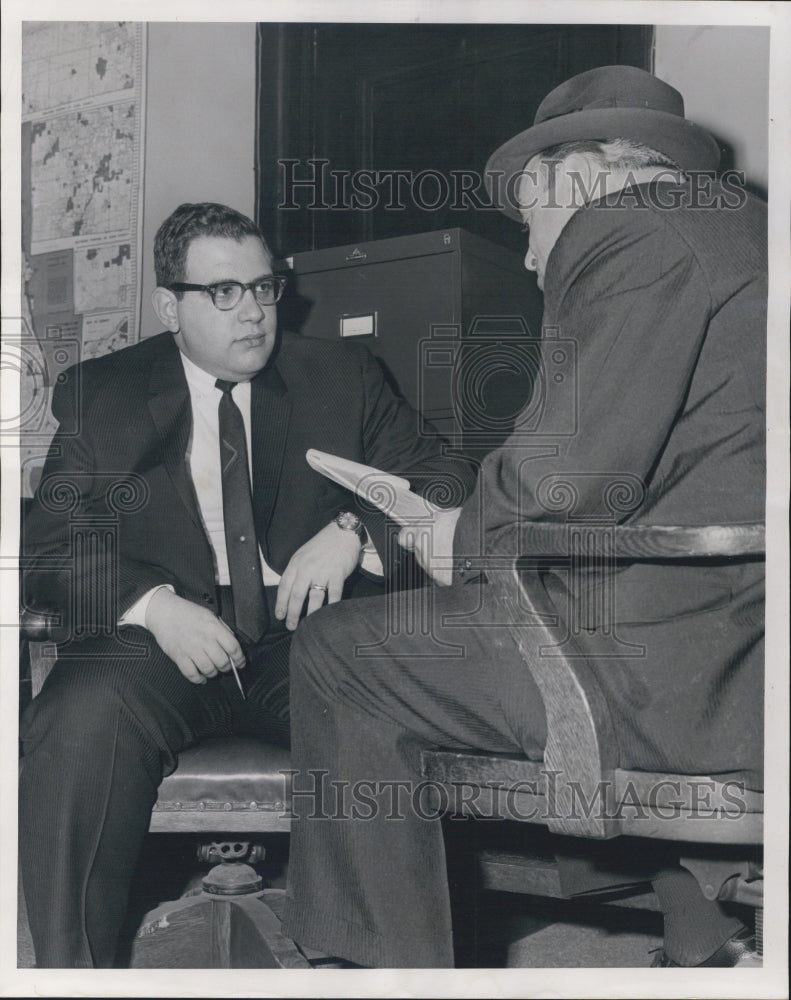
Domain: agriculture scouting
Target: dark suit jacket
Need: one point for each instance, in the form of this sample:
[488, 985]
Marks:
[117, 469]
[655, 321]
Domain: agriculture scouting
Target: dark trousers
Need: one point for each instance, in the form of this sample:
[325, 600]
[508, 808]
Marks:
[97, 741]
[372, 683]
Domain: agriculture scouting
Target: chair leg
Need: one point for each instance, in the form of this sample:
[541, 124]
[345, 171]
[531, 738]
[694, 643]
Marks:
[232, 929]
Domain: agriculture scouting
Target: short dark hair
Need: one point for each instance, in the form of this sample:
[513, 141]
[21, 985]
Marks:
[189, 222]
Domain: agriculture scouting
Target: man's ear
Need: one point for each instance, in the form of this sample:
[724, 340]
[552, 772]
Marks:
[165, 306]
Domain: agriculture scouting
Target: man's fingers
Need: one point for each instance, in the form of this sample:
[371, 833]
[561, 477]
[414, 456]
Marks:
[316, 596]
[210, 655]
[199, 643]
[190, 671]
[204, 663]
[213, 649]
[296, 601]
[335, 590]
[284, 593]
[228, 646]
[221, 658]
[300, 591]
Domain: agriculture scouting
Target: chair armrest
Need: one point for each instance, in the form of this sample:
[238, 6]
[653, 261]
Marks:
[581, 751]
[38, 622]
[646, 541]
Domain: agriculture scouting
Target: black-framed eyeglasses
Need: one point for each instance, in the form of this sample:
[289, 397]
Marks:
[228, 294]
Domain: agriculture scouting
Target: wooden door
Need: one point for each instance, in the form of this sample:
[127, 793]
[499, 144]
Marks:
[388, 126]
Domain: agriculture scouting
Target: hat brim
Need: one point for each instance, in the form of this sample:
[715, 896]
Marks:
[691, 146]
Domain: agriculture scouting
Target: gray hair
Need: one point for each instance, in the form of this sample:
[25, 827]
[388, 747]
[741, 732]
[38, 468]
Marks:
[614, 154]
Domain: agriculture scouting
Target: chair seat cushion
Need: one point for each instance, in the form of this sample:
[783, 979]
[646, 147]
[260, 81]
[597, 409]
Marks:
[228, 773]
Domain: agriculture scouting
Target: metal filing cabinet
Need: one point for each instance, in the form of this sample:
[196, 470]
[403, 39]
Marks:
[453, 317]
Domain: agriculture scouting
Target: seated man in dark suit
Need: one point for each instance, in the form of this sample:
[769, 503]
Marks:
[657, 285]
[171, 573]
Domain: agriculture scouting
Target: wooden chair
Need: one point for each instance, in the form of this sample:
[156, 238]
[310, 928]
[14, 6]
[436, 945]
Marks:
[580, 764]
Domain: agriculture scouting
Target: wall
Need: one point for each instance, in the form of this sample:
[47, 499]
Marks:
[723, 73]
[200, 127]
[201, 77]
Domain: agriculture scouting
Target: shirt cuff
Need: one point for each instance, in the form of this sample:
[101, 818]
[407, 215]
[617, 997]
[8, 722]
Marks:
[369, 557]
[136, 615]
[371, 563]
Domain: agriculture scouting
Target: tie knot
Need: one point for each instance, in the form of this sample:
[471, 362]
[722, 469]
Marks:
[224, 386]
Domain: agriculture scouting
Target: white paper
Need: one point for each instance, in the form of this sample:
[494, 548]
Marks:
[385, 491]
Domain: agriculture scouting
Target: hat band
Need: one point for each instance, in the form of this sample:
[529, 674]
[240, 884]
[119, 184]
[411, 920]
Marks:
[610, 102]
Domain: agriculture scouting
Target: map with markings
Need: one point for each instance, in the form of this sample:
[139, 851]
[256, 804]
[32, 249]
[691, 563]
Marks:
[83, 100]
[103, 274]
[71, 60]
[83, 167]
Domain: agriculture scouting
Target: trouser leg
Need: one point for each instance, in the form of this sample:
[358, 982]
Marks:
[367, 877]
[96, 742]
[265, 711]
[695, 927]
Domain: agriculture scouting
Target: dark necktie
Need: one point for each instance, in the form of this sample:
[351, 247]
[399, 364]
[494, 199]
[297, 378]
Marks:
[244, 561]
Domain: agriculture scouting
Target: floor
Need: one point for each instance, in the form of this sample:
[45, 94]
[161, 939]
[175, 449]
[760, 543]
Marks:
[496, 929]
[534, 934]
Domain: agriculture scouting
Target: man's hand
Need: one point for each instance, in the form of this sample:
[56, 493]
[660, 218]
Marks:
[197, 641]
[432, 543]
[325, 561]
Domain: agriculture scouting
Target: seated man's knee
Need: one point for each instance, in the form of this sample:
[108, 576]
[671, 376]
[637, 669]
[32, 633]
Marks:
[306, 647]
[322, 647]
[80, 698]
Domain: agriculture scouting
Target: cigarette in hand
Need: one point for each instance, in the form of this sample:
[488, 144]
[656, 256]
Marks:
[238, 679]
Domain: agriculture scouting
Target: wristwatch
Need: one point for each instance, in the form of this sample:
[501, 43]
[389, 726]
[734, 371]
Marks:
[347, 520]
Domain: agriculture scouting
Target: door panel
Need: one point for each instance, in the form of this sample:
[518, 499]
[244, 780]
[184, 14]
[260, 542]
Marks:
[414, 105]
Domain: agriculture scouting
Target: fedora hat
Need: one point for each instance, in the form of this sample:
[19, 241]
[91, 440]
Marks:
[609, 102]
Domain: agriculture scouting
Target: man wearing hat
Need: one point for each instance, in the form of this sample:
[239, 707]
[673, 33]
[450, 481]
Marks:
[662, 293]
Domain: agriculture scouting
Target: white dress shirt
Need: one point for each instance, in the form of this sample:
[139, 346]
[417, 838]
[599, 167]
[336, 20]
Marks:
[204, 463]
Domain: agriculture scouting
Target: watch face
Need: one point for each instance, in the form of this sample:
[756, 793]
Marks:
[347, 520]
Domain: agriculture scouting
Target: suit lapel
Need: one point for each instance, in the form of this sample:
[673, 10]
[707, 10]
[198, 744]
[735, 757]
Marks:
[270, 412]
[169, 405]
